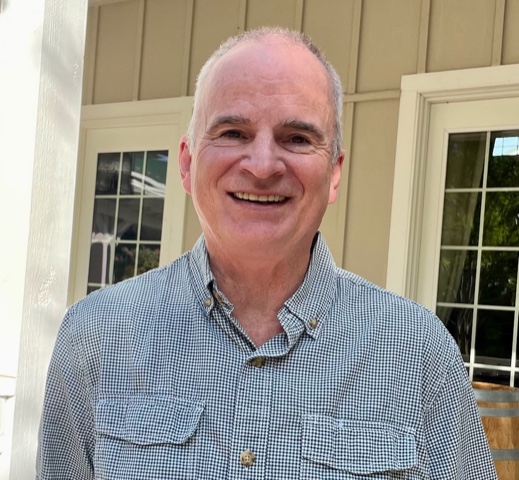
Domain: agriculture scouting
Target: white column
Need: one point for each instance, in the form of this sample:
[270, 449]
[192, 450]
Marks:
[41, 64]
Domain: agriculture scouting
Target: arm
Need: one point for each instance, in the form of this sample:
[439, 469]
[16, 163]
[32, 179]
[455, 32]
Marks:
[456, 442]
[66, 437]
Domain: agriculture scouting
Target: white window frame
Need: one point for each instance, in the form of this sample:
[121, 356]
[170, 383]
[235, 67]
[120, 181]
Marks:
[419, 94]
[173, 112]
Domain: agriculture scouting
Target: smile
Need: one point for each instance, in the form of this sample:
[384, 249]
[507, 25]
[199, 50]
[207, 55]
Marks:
[252, 197]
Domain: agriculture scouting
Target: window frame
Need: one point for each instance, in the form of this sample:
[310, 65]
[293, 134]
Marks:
[418, 94]
[110, 119]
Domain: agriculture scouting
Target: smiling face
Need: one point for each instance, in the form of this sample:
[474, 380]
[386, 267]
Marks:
[260, 174]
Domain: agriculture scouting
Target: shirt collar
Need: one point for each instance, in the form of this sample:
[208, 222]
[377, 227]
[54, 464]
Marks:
[310, 302]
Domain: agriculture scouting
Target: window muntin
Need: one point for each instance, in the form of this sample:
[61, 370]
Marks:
[479, 253]
[127, 219]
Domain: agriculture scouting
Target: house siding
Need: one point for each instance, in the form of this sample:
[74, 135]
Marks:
[150, 49]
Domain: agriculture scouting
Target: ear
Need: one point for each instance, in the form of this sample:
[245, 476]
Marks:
[184, 164]
[335, 178]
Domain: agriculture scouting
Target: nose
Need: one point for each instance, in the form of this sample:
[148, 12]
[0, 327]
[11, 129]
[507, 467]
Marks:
[264, 158]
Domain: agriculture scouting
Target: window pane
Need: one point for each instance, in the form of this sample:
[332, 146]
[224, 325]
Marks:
[457, 276]
[498, 278]
[152, 212]
[124, 265]
[503, 164]
[494, 333]
[107, 177]
[459, 323]
[104, 217]
[128, 219]
[131, 173]
[461, 213]
[465, 160]
[148, 258]
[491, 376]
[501, 227]
[99, 266]
[156, 171]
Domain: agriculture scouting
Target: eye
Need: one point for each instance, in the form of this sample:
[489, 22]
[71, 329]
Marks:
[232, 134]
[298, 139]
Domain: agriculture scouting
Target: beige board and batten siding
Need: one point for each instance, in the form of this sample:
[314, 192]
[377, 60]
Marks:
[149, 49]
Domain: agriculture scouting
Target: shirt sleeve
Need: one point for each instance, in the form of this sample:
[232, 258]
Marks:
[66, 436]
[456, 442]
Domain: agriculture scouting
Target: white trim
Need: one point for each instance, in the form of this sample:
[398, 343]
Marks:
[164, 122]
[42, 44]
[419, 93]
[132, 113]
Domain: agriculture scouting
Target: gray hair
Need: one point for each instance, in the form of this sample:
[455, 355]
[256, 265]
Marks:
[295, 37]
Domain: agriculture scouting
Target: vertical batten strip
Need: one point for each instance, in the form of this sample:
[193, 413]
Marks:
[298, 17]
[242, 16]
[351, 81]
[187, 47]
[499, 26]
[348, 116]
[342, 198]
[138, 51]
[423, 39]
[89, 67]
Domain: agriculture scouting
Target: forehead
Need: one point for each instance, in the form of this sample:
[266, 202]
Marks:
[267, 73]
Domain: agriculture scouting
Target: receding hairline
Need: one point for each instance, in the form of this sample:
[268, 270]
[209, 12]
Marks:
[271, 35]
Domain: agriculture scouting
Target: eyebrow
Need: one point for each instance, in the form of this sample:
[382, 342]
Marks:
[306, 127]
[228, 120]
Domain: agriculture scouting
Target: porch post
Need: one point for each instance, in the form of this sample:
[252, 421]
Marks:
[41, 64]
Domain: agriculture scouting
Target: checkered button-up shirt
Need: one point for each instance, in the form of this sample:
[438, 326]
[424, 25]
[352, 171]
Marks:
[153, 378]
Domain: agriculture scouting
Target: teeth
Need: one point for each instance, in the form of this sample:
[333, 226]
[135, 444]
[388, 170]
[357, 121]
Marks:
[252, 197]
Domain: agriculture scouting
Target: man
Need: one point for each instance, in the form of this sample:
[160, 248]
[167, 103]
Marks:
[254, 356]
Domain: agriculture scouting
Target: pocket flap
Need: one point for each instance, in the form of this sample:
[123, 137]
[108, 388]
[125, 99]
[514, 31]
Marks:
[148, 420]
[356, 446]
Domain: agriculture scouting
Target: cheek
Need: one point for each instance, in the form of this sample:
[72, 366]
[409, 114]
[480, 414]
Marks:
[204, 180]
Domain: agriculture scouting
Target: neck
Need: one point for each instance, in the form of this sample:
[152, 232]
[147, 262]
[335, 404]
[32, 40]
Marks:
[258, 286]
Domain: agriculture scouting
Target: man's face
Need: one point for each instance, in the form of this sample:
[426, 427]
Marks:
[260, 174]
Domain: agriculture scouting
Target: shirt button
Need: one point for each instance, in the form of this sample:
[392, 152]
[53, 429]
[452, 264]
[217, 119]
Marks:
[247, 458]
[313, 322]
[258, 362]
[207, 302]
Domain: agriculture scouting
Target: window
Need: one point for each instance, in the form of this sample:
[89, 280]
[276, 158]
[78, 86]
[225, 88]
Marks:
[479, 252]
[131, 204]
[454, 239]
[128, 212]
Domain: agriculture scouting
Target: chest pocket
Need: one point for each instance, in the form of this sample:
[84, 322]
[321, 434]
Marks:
[146, 437]
[342, 449]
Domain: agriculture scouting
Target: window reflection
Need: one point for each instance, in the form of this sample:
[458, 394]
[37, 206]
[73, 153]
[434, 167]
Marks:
[128, 213]
[479, 253]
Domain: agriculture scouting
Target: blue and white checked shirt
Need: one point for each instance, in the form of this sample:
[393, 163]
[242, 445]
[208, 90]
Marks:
[153, 378]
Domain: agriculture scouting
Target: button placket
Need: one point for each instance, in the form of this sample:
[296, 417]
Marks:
[251, 421]
[258, 362]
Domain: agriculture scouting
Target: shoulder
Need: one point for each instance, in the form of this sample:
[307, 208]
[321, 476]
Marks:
[131, 299]
[402, 334]
[369, 299]
[395, 318]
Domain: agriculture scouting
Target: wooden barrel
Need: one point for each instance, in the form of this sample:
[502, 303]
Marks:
[499, 409]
